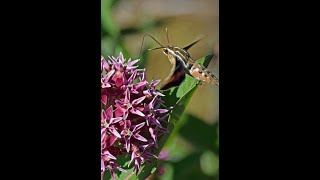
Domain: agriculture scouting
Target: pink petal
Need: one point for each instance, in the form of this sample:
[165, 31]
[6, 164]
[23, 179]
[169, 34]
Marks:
[103, 130]
[139, 126]
[102, 166]
[138, 101]
[127, 96]
[137, 112]
[119, 82]
[111, 140]
[134, 91]
[120, 58]
[140, 84]
[137, 165]
[131, 67]
[147, 92]
[118, 78]
[109, 113]
[153, 134]
[151, 104]
[154, 83]
[107, 153]
[114, 131]
[104, 65]
[125, 114]
[105, 85]
[103, 114]
[131, 63]
[118, 112]
[161, 110]
[139, 137]
[144, 147]
[147, 154]
[132, 77]
[127, 124]
[127, 144]
[104, 99]
[158, 93]
[115, 120]
[103, 138]
[133, 156]
[108, 75]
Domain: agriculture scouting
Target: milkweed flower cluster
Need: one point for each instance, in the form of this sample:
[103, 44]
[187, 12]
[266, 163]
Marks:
[132, 114]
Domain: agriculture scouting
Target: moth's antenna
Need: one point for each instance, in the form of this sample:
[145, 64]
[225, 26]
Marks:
[167, 35]
[155, 48]
[143, 41]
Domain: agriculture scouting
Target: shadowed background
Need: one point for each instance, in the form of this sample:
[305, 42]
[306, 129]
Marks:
[194, 152]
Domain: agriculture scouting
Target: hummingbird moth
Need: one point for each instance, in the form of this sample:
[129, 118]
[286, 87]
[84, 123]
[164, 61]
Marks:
[182, 64]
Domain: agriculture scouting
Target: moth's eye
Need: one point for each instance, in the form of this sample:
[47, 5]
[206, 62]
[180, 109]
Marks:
[165, 51]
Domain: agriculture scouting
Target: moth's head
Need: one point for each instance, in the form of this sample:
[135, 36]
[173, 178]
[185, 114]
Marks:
[167, 50]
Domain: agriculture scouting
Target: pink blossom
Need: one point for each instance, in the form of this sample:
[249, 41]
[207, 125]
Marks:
[132, 115]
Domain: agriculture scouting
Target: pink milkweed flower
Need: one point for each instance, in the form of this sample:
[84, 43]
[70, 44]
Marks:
[132, 115]
[132, 131]
[139, 156]
[107, 121]
[127, 104]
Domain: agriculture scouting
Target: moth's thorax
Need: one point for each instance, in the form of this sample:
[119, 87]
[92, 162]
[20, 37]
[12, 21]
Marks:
[175, 53]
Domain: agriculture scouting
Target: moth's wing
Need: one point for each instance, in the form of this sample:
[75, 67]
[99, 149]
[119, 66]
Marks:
[190, 45]
[176, 75]
[174, 79]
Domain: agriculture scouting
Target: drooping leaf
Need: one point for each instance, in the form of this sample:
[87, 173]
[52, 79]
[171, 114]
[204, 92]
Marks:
[184, 94]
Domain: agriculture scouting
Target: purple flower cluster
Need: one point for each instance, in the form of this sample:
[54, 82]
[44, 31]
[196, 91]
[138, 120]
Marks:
[131, 114]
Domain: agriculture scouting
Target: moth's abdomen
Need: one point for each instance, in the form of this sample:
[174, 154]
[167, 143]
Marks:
[201, 73]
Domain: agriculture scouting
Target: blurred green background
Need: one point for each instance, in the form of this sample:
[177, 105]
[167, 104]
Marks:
[194, 152]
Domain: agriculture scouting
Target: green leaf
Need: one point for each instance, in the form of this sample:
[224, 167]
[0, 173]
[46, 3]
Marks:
[184, 94]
